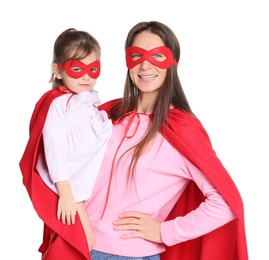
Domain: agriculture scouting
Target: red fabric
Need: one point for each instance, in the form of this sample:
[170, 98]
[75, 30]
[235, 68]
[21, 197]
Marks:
[149, 55]
[60, 241]
[93, 69]
[188, 136]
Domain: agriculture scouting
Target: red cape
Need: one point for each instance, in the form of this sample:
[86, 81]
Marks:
[60, 241]
[187, 135]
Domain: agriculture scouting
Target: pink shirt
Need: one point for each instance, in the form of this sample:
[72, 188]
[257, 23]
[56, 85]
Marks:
[162, 174]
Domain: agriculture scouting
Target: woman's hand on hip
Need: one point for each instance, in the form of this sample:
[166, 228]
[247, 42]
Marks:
[140, 225]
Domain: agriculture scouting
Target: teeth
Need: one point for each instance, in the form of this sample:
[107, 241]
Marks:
[148, 77]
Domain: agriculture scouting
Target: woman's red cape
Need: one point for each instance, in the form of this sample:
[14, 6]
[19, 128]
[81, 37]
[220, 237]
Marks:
[188, 136]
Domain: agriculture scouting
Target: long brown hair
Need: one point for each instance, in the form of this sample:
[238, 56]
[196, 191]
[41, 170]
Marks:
[75, 45]
[171, 92]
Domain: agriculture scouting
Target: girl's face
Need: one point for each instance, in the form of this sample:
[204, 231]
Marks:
[147, 77]
[81, 83]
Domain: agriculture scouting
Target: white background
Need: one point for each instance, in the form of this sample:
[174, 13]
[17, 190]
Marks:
[223, 69]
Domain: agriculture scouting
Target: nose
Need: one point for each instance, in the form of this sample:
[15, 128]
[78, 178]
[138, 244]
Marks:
[85, 76]
[145, 65]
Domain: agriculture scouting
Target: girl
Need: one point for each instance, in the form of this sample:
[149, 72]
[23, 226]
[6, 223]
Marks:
[74, 139]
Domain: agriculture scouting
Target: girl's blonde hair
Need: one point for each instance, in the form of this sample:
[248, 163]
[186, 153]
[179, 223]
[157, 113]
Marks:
[72, 44]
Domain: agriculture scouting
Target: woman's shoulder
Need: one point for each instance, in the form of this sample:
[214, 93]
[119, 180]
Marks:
[185, 124]
[182, 117]
[108, 105]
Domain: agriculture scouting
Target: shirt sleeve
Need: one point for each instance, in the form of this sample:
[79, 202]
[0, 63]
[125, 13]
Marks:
[211, 214]
[55, 141]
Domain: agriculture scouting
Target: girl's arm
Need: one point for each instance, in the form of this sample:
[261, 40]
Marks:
[66, 210]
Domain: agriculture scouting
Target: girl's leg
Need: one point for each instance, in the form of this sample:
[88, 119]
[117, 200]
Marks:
[86, 224]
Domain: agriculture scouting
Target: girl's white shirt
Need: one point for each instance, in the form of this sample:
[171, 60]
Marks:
[75, 137]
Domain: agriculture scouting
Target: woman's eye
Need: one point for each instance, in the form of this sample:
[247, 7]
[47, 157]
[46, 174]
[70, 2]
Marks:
[136, 56]
[159, 57]
[76, 69]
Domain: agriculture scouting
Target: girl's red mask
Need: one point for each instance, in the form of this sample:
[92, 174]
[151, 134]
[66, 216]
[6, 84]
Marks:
[76, 69]
[136, 55]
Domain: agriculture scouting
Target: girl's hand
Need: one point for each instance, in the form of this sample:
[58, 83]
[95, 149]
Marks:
[140, 225]
[66, 211]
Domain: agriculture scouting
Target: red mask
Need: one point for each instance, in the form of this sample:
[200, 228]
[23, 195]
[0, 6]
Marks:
[161, 57]
[76, 69]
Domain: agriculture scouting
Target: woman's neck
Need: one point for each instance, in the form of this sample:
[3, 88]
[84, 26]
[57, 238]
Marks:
[145, 104]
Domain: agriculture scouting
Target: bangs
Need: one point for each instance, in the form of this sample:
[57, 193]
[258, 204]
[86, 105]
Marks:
[79, 53]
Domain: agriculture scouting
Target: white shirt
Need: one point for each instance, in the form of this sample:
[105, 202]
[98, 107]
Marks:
[75, 137]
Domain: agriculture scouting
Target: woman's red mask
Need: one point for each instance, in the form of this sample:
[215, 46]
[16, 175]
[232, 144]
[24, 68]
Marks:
[76, 69]
[161, 57]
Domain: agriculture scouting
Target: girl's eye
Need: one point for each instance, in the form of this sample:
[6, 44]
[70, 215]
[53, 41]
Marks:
[136, 56]
[94, 70]
[76, 69]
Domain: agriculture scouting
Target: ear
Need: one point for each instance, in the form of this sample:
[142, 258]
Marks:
[55, 69]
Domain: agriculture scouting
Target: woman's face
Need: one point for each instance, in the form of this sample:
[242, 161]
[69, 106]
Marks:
[147, 77]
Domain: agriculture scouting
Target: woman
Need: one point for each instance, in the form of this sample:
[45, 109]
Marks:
[161, 192]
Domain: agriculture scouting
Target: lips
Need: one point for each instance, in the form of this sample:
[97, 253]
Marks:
[147, 77]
